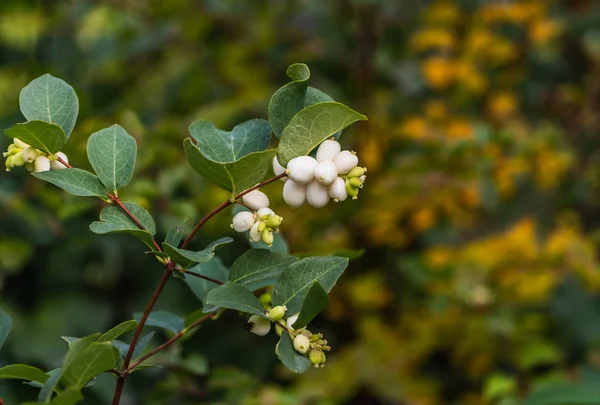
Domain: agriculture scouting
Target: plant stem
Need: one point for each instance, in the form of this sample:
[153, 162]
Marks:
[167, 343]
[203, 276]
[224, 205]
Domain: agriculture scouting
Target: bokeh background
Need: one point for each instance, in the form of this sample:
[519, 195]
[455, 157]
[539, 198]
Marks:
[480, 219]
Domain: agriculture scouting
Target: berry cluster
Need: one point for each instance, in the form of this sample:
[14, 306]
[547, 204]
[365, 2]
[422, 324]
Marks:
[261, 222]
[305, 342]
[332, 174]
[21, 154]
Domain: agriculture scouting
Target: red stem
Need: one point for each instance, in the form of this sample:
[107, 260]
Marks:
[203, 276]
[167, 343]
[224, 205]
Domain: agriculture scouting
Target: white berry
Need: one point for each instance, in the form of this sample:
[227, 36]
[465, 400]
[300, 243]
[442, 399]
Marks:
[292, 320]
[337, 190]
[29, 154]
[301, 344]
[328, 150]
[317, 194]
[346, 161]
[243, 221]
[56, 165]
[259, 326]
[41, 164]
[256, 200]
[294, 194]
[278, 169]
[326, 172]
[301, 169]
[255, 235]
[20, 144]
[264, 211]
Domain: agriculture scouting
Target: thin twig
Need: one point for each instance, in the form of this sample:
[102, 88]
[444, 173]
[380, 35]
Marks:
[191, 273]
[167, 343]
[224, 205]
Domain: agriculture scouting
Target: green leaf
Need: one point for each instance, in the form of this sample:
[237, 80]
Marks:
[259, 268]
[290, 358]
[289, 99]
[50, 99]
[294, 283]
[95, 359]
[559, 393]
[70, 340]
[5, 325]
[123, 347]
[118, 330]
[23, 372]
[112, 153]
[175, 234]
[113, 219]
[68, 397]
[164, 320]
[76, 348]
[225, 147]
[186, 258]
[233, 176]
[298, 72]
[75, 181]
[214, 269]
[235, 296]
[49, 386]
[44, 136]
[311, 126]
[315, 301]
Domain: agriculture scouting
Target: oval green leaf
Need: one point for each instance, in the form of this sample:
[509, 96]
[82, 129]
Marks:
[44, 136]
[259, 268]
[113, 219]
[235, 296]
[75, 181]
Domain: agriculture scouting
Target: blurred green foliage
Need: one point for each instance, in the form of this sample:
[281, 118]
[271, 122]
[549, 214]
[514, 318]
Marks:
[480, 279]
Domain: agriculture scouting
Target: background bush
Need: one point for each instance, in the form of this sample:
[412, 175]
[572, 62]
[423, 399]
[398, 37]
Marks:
[479, 281]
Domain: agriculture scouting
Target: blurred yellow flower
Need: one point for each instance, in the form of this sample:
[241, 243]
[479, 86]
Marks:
[438, 72]
[543, 31]
[433, 38]
[459, 129]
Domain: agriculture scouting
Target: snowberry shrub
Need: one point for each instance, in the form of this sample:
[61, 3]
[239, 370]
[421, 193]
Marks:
[291, 291]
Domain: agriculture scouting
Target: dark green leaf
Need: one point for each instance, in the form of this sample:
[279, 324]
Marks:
[118, 330]
[560, 393]
[49, 386]
[5, 325]
[235, 296]
[123, 347]
[226, 147]
[23, 372]
[175, 234]
[50, 99]
[113, 219]
[95, 359]
[234, 176]
[259, 268]
[294, 283]
[68, 397]
[201, 287]
[290, 358]
[112, 153]
[75, 181]
[315, 301]
[311, 126]
[164, 320]
[289, 99]
[44, 136]
[186, 258]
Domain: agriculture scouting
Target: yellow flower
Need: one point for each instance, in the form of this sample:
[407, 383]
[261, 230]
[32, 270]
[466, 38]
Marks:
[544, 30]
[459, 129]
[414, 128]
[433, 38]
[438, 72]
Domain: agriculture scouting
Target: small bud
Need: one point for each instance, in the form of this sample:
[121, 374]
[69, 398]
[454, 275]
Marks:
[352, 191]
[355, 182]
[56, 165]
[301, 344]
[256, 200]
[345, 161]
[261, 213]
[8, 163]
[258, 325]
[278, 169]
[274, 221]
[255, 235]
[265, 299]
[277, 313]
[294, 194]
[20, 144]
[267, 236]
[337, 190]
[317, 357]
[357, 172]
[41, 164]
[301, 169]
[317, 194]
[291, 320]
[328, 150]
[17, 159]
[29, 154]
[243, 221]
[326, 172]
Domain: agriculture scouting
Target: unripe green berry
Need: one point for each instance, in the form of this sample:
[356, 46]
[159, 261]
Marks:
[352, 191]
[265, 299]
[261, 227]
[278, 329]
[317, 357]
[357, 172]
[301, 344]
[355, 182]
[277, 313]
[274, 221]
[267, 236]
[8, 163]
[17, 159]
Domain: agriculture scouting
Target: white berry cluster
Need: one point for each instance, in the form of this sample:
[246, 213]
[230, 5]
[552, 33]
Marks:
[333, 174]
[21, 154]
[261, 222]
[305, 342]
